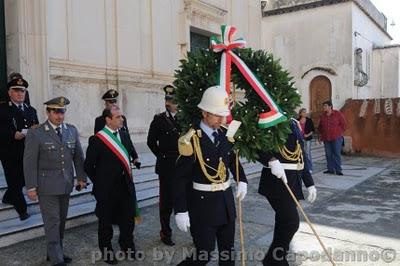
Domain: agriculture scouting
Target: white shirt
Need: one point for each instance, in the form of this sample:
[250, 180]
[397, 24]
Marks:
[113, 131]
[208, 130]
[18, 104]
[54, 126]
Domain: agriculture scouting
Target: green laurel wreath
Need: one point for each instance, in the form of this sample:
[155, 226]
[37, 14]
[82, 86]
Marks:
[200, 70]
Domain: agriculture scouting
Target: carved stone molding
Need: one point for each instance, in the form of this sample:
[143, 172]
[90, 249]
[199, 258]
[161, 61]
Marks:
[204, 15]
[81, 72]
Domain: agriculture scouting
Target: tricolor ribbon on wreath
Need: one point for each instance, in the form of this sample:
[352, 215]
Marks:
[274, 115]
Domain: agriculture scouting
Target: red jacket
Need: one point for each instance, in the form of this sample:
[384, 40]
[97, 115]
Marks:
[331, 126]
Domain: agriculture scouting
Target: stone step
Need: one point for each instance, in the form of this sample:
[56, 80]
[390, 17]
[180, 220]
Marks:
[82, 204]
[81, 208]
[15, 231]
[7, 211]
[145, 179]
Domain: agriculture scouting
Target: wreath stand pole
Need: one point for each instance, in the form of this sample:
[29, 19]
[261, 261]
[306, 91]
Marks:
[309, 223]
[239, 202]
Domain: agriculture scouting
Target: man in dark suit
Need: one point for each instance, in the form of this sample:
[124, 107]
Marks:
[288, 165]
[209, 209]
[52, 153]
[110, 99]
[163, 142]
[108, 165]
[16, 117]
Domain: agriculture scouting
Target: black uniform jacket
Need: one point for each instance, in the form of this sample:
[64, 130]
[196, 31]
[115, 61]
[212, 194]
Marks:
[100, 122]
[210, 208]
[271, 186]
[105, 170]
[162, 140]
[12, 120]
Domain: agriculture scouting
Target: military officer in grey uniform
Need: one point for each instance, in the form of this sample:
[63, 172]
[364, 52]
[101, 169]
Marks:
[52, 152]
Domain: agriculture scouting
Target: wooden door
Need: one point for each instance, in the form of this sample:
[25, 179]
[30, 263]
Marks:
[320, 91]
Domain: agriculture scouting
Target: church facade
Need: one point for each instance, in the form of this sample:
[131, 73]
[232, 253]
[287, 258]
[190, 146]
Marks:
[80, 49]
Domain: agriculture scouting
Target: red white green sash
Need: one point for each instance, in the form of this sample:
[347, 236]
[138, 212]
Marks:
[116, 146]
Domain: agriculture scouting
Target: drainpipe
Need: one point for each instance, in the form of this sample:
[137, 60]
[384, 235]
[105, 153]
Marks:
[382, 70]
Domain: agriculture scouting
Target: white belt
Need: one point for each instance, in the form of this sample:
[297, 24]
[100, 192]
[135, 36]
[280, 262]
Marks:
[291, 166]
[212, 187]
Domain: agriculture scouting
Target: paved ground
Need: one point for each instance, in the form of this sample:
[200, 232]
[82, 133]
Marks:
[357, 216]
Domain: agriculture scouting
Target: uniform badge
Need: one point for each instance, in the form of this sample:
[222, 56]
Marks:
[46, 128]
[62, 101]
[20, 82]
[226, 101]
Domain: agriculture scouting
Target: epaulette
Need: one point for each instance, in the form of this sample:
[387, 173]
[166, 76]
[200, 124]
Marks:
[46, 126]
[185, 146]
[34, 127]
[69, 125]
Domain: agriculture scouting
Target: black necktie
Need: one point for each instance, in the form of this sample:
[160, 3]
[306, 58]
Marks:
[20, 107]
[216, 138]
[58, 129]
[115, 134]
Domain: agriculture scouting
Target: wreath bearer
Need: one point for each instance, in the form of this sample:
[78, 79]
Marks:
[206, 154]
[286, 164]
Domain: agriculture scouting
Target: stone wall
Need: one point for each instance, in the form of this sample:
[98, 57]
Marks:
[373, 134]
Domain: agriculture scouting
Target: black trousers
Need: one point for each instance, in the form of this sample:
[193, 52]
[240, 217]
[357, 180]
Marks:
[165, 204]
[14, 173]
[286, 225]
[119, 211]
[204, 237]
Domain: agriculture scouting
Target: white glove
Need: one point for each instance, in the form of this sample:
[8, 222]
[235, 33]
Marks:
[277, 170]
[182, 221]
[312, 194]
[241, 190]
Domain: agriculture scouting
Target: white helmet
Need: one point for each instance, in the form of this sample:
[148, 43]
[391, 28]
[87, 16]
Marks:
[215, 101]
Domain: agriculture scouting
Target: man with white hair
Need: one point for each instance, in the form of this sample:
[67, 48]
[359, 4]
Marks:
[208, 207]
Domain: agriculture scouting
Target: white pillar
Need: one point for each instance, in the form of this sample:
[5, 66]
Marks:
[26, 42]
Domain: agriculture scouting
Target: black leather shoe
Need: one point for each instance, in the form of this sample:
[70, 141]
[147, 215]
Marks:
[24, 216]
[6, 201]
[66, 259]
[130, 253]
[111, 261]
[168, 241]
[339, 173]
[109, 258]
[328, 172]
